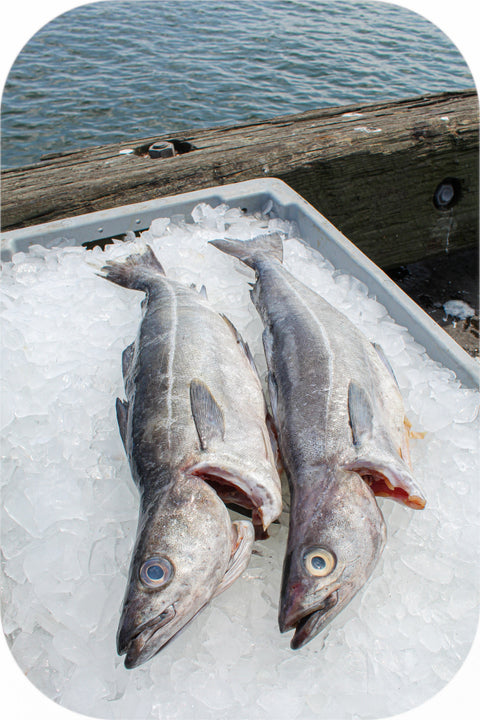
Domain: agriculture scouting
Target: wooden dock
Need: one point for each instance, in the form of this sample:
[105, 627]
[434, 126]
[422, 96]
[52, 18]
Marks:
[399, 179]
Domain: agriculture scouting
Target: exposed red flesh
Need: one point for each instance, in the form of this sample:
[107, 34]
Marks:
[383, 488]
[227, 492]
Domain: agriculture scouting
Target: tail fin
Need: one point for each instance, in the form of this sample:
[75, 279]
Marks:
[137, 271]
[250, 251]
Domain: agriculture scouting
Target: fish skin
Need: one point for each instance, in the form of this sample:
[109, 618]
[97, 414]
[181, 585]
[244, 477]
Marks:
[193, 420]
[340, 418]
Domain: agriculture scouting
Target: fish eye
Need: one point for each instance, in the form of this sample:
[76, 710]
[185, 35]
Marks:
[319, 562]
[156, 572]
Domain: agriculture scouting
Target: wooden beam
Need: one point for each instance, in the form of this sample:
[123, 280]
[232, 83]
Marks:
[372, 170]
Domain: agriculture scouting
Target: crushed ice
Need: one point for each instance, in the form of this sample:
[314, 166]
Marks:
[69, 506]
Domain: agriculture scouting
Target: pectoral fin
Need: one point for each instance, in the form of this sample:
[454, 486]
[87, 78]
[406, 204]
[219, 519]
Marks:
[360, 413]
[207, 414]
[243, 537]
[122, 419]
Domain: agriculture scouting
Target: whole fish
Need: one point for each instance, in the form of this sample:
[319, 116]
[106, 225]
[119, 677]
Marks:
[194, 430]
[342, 435]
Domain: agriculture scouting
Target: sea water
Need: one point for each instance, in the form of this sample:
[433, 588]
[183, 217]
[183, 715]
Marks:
[113, 71]
[69, 505]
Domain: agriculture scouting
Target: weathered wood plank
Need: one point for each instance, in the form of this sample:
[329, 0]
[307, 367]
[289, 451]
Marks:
[372, 170]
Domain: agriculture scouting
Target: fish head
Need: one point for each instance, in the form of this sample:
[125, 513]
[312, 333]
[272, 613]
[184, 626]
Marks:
[335, 540]
[187, 550]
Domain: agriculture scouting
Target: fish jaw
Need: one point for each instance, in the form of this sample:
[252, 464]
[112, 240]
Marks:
[308, 625]
[142, 646]
[344, 518]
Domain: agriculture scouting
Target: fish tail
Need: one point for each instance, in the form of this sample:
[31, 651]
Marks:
[251, 251]
[138, 271]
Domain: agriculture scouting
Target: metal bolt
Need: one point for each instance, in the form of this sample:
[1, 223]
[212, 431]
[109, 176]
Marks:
[161, 150]
[447, 193]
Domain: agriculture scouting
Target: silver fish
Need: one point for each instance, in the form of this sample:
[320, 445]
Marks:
[342, 435]
[194, 430]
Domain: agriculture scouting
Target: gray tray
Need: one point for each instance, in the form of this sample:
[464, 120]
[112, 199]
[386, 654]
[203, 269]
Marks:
[253, 195]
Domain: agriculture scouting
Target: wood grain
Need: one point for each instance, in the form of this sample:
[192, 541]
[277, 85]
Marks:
[372, 170]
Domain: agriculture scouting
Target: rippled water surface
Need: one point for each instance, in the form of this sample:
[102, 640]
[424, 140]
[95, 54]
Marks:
[113, 71]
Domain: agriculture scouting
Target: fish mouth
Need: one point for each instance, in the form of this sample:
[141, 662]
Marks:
[308, 625]
[138, 647]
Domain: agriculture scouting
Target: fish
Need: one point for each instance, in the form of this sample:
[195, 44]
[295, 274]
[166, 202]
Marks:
[194, 429]
[343, 439]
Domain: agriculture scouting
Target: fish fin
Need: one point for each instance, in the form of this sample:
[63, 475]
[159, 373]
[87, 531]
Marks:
[207, 415]
[137, 271]
[242, 343]
[251, 360]
[249, 251]
[122, 419]
[273, 393]
[360, 413]
[267, 341]
[389, 478]
[243, 537]
[273, 437]
[127, 359]
[234, 330]
[385, 360]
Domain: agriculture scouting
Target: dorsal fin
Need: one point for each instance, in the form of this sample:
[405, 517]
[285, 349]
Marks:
[207, 415]
[122, 419]
[360, 413]
[127, 359]
[242, 343]
[385, 361]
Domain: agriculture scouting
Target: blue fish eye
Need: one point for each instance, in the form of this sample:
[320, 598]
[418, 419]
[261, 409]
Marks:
[156, 572]
[319, 562]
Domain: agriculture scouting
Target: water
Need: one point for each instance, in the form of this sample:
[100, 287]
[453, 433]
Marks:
[113, 71]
